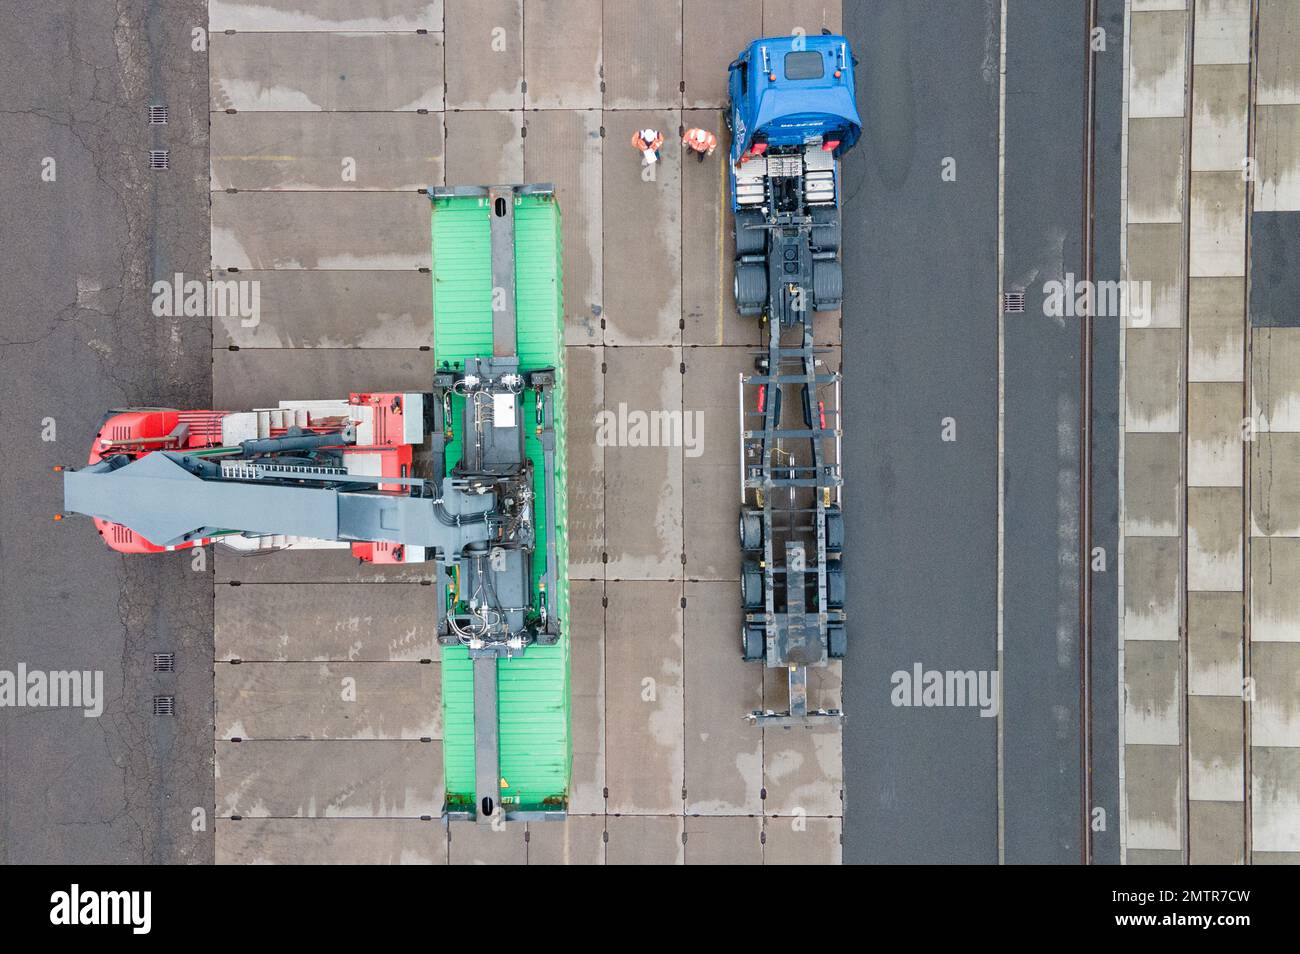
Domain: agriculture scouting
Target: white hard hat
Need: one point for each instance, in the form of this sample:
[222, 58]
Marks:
[649, 135]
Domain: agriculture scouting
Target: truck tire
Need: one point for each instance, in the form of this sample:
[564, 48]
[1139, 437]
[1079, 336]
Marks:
[834, 529]
[750, 286]
[837, 641]
[749, 241]
[828, 286]
[826, 229]
[834, 584]
[751, 585]
[753, 642]
[751, 529]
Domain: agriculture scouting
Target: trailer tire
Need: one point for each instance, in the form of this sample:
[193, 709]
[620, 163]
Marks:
[751, 529]
[750, 287]
[750, 241]
[751, 585]
[834, 584]
[826, 229]
[828, 286]
[837, 641]
[834, 529]
[753, 642]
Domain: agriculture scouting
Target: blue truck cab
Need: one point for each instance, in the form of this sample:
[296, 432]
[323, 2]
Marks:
[791, 92]
[792, 115]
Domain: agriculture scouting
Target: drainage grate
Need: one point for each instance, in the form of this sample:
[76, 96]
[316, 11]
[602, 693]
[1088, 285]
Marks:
[158, 158]
[164, 662]
[1013, 303]
[157, 115]
[164, 705]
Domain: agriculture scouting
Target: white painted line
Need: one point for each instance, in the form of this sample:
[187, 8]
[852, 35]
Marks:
[1123, 336]
[1002, 197]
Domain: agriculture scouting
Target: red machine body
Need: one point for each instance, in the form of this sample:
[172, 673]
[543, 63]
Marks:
[387, 451]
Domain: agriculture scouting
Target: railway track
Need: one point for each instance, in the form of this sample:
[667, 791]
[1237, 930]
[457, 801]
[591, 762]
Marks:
[1086, 330]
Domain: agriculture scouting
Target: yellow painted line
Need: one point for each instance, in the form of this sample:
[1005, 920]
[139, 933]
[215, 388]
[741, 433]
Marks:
[722, 206]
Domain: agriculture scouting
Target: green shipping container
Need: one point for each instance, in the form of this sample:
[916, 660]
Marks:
[533, 689]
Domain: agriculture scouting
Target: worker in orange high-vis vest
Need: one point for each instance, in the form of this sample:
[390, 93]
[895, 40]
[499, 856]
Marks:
[647, 142]
[702, 141]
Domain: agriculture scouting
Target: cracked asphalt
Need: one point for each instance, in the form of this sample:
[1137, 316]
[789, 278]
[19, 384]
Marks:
[77, 337]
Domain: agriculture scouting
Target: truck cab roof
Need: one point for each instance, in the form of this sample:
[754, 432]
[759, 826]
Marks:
[792, 90]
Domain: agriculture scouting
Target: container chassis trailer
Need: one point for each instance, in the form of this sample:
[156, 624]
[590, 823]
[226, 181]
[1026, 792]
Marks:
[792, 115]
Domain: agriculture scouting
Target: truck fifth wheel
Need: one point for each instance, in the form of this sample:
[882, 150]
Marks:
[792, 115]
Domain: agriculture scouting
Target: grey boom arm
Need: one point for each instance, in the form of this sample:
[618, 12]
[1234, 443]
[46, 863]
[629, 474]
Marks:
[159, 498]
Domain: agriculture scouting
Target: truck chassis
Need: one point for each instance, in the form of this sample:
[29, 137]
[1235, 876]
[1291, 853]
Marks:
[787, 269]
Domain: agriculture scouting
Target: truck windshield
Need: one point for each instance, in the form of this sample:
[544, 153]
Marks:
[803, 65]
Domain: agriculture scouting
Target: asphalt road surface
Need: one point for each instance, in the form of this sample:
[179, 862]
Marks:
[920, 345]
[944, 784]
[77, 337]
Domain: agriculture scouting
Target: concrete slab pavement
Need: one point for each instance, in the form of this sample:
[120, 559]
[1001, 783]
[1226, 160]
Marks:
[1214, 647]
[644, 840]
[642, 209]
[785, 17]
[644, 711]
[1216, 333]
[281, 16]
[1274, 509]
[711, 468]
[1278, 72]
[262, 378]
[578, 840]
[1275, 379]
[802, 841]
[326, 151]
[587, 696]
[334, 779]
[345, 308]
[1154, 376]
[643, 471]
[710, 43]
[473, 844]
[709, 315]
[483, 146]
[349, 622]
[721, 840]
[643, 55]
[325, 71]
[1222, 32]
[563, 53]
[1277, 148]
[312, 566]
[485, 54]
[1275, 589]
[320, 841]
[379, 230]
[297, 700]
[1156, 183]
[723, 752]
[1275, 779]
[803, 771]
[1157, 62]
